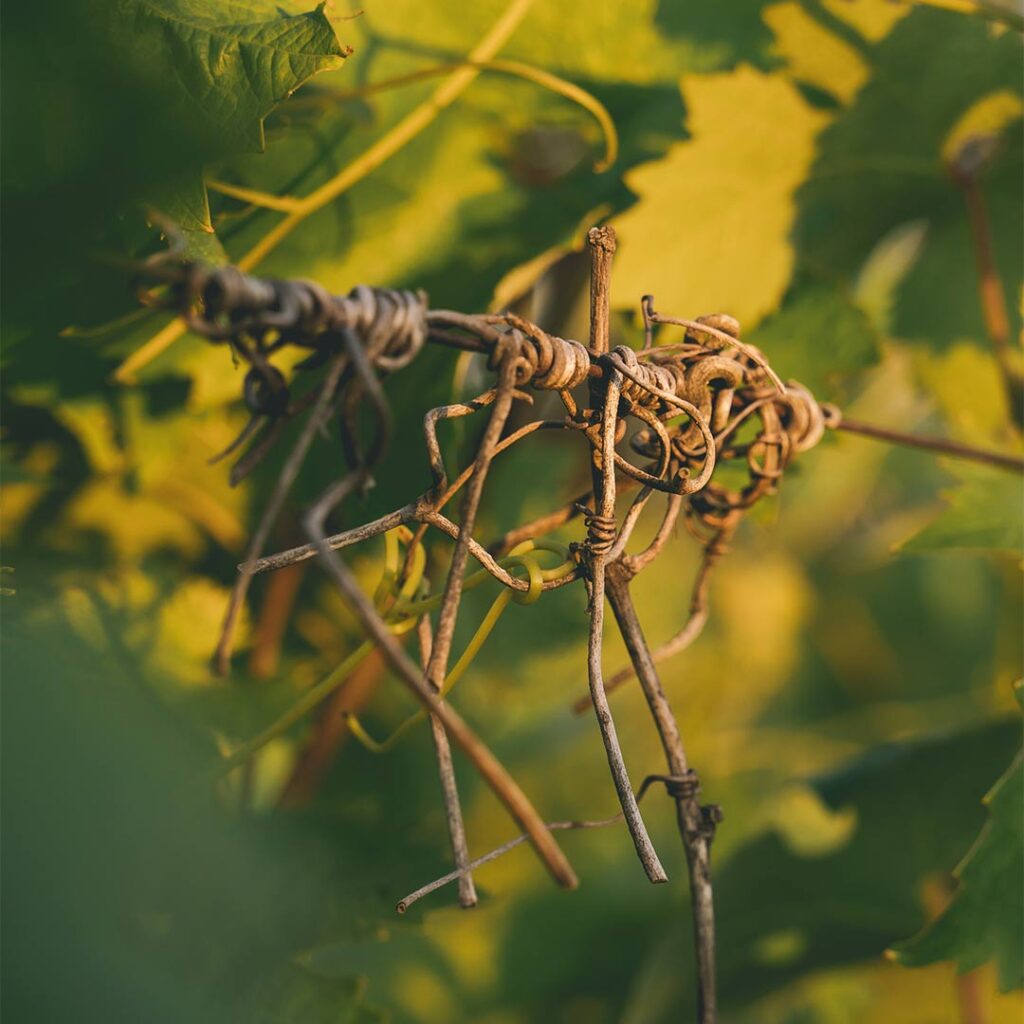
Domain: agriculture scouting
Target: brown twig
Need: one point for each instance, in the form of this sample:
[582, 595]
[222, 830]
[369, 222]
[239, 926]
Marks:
[696, 823]
[448, 614]
[449, 786]
[965, 173]
[695, 620]
[274, 615]
[330, 731]
[425, 890]
[491, 770]
[598, 543]
[1013, 463]
[290, 470]
[601, 534]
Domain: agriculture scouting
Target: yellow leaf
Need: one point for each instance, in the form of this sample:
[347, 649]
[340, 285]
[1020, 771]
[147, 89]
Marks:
[16, 502]
[135, 525]
[813, 54]
[90, 420]
[969, 388]
[188, 628]
[711, 230]
[809, 827]
[873, 19]
[987, 118]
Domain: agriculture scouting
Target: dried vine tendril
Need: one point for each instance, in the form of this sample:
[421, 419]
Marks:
[705, 402]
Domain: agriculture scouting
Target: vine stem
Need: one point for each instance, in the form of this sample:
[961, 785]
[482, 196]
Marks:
[605, 502]
[489, 767]
[605, 394]
[693, 825]
[289, 472]
[991, 293]
[514, 68]
[1014, 463]
[449, 785]
[382, 150]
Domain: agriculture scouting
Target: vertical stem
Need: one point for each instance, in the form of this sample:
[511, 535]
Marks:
[438, 666]
[492, 771]
[991, 293]
[606, 512]
[602, 248]
[290, 470]
[446, 771]
[693, 827]
[604, 394]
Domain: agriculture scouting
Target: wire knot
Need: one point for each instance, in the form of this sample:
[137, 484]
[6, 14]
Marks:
[601, 531]
[684, 786]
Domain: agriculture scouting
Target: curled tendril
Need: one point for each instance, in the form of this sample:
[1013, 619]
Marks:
[519, 556]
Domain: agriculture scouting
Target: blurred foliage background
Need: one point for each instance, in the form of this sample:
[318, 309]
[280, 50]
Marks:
[851, 702]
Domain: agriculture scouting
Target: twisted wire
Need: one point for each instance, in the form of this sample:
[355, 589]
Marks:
[223, 303]
[719, 389]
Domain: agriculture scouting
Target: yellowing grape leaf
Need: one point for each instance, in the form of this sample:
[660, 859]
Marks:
[872, 18]
[711, 230]
[970, 391]
[813, 54]
[187, 630]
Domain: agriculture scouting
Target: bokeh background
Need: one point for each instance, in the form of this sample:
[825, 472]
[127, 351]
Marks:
[851, 701]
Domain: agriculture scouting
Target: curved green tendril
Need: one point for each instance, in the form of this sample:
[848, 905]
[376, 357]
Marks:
[518, 556]
[325, 687]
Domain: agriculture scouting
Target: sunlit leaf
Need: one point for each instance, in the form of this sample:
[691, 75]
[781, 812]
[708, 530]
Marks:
[813, 54]
[717, 210]
[819, 337]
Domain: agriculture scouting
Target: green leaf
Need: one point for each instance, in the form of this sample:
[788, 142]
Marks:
[984, 512]
[818, 337]
[783, 911]
[231, 66]
[186, 209]
[881, 165]
[984, 922]
[225, 71]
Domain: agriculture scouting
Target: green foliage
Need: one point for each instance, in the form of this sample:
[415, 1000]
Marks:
[784, 162]
[786, 909]
[983, 922]
[982, 513]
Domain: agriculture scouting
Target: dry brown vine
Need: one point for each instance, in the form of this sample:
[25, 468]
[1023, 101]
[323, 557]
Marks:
[708, 400]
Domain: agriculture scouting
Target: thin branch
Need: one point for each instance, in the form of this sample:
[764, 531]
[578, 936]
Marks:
[601, 534]
[492, 771]
[999, 460]
[449, 786]
[541, 525]
[514, 68]
[330, 731]
[448, 614]
[269, 201]
[695, 825]
[425, 890]
[990, 289]
[695, 620]
[275, 613]
[290, 470]
[279, 560]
